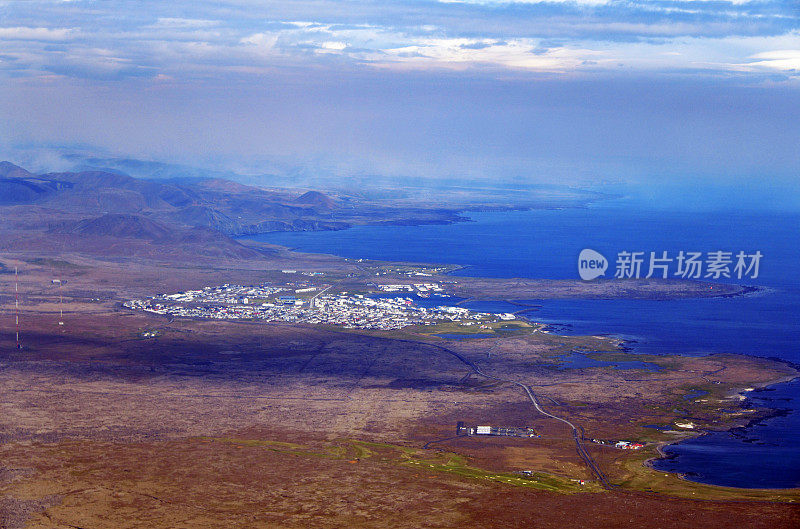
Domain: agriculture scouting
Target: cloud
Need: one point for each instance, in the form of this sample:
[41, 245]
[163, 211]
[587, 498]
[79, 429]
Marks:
[261, 40]
[38, 33]
[501, 89]
[332, 45]
[777, 59]
[507, 2]
[458, 54]
[182, 23]
[246, 37]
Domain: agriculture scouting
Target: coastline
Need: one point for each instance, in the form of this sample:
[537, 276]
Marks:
[447, 216]
[767, 414]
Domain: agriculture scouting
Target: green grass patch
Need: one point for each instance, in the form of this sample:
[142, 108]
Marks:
[458, 465]
[409, 457]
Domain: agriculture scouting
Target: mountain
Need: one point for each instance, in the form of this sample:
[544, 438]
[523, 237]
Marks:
[18, 186]
[116, 234]
[110, 212]
[123, 226]
[317, 200]
[228, 207]
[21, 191]
[205, 216]
[9, 170]
[224, 206]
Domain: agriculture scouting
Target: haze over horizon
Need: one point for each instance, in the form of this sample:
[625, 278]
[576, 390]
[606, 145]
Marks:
[570, 92]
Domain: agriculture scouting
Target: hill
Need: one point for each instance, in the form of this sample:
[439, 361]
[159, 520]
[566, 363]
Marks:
[22, 191]
[116, 234]
[110, 204]
[9, 170]
[224, 206]
[317, 200]
[123, 226]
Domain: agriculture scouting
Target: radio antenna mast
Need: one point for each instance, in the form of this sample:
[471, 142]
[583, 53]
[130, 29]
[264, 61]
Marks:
[16, 304]
[60, 304]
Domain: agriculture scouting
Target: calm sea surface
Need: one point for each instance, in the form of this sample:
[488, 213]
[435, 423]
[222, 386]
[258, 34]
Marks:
[546, 244]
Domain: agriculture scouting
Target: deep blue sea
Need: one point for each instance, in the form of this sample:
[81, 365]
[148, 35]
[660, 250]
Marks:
[546, 244]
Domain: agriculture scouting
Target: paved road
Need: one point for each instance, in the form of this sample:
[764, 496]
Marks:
[318, 294]
[579, 447]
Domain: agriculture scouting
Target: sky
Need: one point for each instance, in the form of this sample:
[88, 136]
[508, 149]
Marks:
[584, 92]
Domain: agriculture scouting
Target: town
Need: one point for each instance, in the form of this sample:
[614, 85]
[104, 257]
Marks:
[311, 305]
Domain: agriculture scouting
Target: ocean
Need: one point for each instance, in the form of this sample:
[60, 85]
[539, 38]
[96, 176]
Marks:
[546, 244]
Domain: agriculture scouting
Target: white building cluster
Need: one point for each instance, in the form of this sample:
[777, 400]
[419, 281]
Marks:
[424, 288]
[228, 294]
[352, 311]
